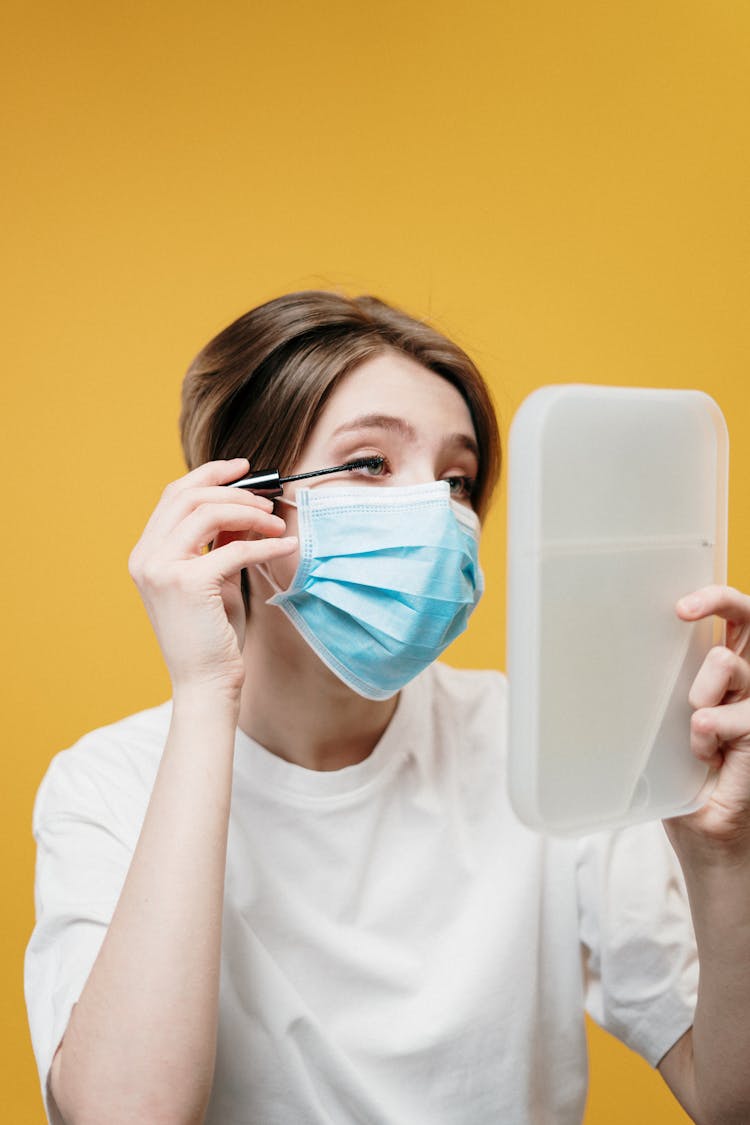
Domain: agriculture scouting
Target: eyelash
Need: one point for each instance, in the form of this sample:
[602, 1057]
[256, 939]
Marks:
[382, 469]
[466, 485]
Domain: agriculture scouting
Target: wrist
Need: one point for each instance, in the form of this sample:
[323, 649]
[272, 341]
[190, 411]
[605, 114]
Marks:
[199, 703]
[703, 850]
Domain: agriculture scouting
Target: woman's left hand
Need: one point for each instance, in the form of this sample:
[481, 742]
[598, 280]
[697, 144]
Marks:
[720, 726]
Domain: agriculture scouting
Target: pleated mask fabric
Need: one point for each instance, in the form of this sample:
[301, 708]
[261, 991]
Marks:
[387, 578]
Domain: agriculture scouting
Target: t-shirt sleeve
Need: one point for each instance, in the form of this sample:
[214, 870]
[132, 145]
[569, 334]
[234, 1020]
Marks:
[85, 824]
[640, 958]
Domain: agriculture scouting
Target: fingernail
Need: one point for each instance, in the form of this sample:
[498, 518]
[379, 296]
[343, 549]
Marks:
[691, 604]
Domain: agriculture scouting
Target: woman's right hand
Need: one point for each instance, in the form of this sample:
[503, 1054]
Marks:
[194, 598]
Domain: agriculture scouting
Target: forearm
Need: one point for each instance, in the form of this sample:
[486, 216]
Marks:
[719, 890]
[141, 1042]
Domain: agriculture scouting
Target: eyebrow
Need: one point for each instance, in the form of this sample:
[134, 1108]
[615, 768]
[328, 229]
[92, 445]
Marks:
[405, 429]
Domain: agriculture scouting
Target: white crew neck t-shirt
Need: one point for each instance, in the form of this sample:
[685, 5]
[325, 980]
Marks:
[397, 948]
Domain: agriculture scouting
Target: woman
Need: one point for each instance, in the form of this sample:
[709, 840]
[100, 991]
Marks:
[297, 893]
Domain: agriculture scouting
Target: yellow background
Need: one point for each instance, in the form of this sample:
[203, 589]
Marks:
[561, 186]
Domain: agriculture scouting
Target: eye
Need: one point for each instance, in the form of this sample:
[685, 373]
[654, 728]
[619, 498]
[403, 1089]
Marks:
[377, 466]
[462, 488]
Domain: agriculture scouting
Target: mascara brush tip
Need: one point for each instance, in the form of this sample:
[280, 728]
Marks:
[366, 463]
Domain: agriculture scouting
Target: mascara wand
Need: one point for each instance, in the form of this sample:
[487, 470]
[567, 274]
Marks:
[267, 482]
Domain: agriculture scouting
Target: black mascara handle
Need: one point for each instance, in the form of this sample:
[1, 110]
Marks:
[264, 482]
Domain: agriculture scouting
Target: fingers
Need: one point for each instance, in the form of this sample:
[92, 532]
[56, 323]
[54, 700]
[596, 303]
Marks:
[198, 509]
[719, 719]
[211, 473]
[719, 601]
[714, 727]
[205, 484]
[204, 524]
[227, 561]
[722, 671]
[720, 725]
[724, 602]
[181, 504]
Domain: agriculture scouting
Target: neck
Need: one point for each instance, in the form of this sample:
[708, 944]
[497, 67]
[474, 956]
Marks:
[296, 708]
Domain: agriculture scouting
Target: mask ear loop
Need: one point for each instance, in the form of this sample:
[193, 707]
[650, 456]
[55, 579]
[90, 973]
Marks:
[263, 567]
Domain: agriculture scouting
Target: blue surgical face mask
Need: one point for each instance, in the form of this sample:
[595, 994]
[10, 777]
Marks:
[387, 578]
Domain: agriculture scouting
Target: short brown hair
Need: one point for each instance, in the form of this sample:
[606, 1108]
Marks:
[257, 389]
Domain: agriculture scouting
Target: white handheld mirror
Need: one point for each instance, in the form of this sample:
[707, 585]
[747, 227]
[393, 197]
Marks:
[617, 507]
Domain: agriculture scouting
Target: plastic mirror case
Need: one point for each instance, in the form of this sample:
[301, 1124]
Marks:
[617, 508]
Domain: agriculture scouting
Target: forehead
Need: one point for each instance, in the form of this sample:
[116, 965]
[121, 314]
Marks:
[394, 384]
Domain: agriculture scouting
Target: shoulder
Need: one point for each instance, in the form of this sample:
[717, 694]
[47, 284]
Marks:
[469, 693]
[113, 765]
[468, 707]
[641, 850]
[631, 877]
